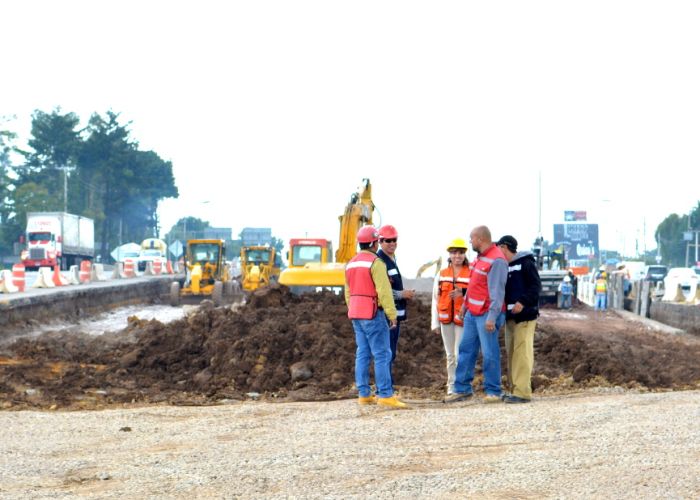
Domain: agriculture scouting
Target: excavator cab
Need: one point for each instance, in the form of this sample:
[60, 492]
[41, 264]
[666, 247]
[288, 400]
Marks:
[311, 264]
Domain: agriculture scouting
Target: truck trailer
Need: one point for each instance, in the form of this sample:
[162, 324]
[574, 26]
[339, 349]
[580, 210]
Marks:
[58, 238]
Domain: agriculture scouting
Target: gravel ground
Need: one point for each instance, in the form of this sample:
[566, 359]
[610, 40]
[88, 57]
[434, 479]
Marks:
[597, 444]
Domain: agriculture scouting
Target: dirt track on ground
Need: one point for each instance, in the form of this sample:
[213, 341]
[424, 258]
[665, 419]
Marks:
[291, 348]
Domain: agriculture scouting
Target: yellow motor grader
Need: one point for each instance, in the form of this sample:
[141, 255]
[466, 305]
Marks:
[206, 276]
[260, 266]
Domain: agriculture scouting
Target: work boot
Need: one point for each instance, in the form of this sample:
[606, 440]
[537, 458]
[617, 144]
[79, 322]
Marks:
[392, 402]
[367, 400]
[456, 397]
[515, 399]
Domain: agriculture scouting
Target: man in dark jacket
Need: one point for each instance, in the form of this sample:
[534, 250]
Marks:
[522, 309]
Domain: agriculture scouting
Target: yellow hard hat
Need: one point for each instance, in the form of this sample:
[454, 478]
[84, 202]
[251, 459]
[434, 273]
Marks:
[457, 243]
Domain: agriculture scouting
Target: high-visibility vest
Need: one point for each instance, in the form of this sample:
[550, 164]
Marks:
[448, 307]
[601, 286]
[363, 293]
[478, 300]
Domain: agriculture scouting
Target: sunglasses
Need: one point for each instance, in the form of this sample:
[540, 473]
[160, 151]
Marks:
[389, 240]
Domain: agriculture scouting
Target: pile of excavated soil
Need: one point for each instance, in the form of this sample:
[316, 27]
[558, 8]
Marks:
[302, 348]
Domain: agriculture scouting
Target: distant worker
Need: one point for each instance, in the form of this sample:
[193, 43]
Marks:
[522, 309]
[484, 315]
[388, 239]
[371, 309]
[574, 287]
[566, 290]
[449, 291]
[601, 292]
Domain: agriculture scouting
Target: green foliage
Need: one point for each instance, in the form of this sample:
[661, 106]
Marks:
[187, 228]
[111, 181]
[669, 235]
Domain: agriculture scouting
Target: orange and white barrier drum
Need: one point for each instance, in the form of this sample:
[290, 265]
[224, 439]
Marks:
[18, 276]
[85, 270]
[129, 269]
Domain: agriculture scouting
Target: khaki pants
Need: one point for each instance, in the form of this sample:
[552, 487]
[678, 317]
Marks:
[451, 337]
[521, 357]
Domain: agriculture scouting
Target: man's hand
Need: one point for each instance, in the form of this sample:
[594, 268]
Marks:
[517, 308]
[408, 294]
[393, 324]
[490, 326]
[461, 313]
[436, 331]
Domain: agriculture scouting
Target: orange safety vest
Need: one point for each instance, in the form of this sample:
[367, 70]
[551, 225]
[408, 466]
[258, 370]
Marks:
[363, 293]
[478, 300]
[448, 307]
[601, 286]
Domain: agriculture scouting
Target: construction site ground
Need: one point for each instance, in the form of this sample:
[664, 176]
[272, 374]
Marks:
[616, 410]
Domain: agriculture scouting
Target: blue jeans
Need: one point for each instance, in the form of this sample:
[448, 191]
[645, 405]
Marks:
[475, 336]
[393, 342]
[601, 301]
[566, 301]
[372, 339]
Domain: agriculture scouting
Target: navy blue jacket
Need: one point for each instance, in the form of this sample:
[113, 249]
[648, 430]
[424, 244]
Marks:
[523, 286]
[396, 283]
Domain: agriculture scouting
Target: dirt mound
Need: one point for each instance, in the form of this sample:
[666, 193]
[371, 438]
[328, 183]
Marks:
[303, 348]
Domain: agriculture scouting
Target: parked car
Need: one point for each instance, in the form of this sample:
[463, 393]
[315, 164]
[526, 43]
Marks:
[655, 273]
[684, 276]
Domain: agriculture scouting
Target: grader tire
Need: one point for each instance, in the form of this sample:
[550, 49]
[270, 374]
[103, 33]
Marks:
[175, 294]
[218, 294]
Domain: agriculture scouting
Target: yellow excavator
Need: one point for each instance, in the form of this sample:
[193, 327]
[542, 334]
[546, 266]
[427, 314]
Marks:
[437, 263]
[207, 274]
[260, 265]
[310, 259]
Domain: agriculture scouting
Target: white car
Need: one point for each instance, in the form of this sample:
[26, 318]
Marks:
[683, 276]
[150, 255]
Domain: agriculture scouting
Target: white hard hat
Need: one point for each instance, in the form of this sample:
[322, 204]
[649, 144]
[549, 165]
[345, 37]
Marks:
[566, 279]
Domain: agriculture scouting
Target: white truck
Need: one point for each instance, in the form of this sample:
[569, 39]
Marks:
[57, 238]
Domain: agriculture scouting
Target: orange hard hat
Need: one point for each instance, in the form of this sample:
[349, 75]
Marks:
[367, 234]
[388, 231]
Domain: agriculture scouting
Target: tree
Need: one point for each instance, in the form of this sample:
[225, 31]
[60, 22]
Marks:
[669, 235]
[7, 226]
[187, 228]
[55, 144]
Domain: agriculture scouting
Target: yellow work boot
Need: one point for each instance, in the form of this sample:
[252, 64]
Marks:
[367, 400]
[392, 402]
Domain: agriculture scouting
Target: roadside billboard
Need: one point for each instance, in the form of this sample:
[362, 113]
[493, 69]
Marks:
[579, 240]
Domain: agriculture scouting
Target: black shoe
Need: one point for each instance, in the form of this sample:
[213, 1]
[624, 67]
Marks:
[515, 399]
[505, 395]
[457, 397]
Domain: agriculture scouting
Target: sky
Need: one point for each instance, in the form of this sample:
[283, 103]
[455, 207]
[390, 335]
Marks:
[273, 112]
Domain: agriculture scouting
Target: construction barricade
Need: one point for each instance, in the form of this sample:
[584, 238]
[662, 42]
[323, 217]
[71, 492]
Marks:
[58, 278]
[157, 267]
[169, 267]
[7, 282]
[129, 269]
[97, 272]
[73, 275]
[118, 271]
[44, 278]
[18, 276]
[85, 270]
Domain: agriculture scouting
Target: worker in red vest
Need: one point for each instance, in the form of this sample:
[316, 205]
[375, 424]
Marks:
[448, 296]
[372, 311]
[484, 315]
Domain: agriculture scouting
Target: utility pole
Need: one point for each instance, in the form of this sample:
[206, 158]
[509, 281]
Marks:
[65, 169]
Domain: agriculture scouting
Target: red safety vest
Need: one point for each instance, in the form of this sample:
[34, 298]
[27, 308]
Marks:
[363, 293]
[478, 300]
[448, 307]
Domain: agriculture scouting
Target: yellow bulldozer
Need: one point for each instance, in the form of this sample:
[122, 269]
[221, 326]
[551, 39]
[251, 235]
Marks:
[207, 275]
[260, 266]
[311, 264]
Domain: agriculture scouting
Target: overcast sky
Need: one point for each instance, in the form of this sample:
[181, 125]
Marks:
[273, 112]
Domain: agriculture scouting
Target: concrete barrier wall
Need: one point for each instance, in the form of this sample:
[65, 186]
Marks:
[681, 316]
[76, 302]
